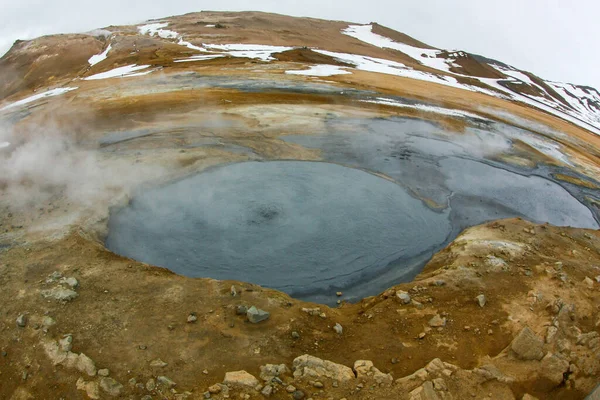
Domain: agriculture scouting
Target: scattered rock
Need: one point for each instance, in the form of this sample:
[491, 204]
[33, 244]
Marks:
[111, 386]
[91, 388]
[164, 381]
[85, 364]
[403, 296]
[551, 334]
[240, 378]
[481, 300]
[527, 346]
[424, 392]
[103, 372]
[422, 335]
[215, 389]
[298, 395]
[192, 318]
[312, 311]
[256, 315]
[158, 363]
[307, 366]
[22, 321]
[241, 310]
[47, 322]
[339, 294]
[290, 389]
[338, 329]
[66, 343]
[588, 282]
[150, 385]
[440, 385]
[233, 291]
[270, 371]
[60, 293]
[267, 391]
[553, 369]
[528, 397]
[318, 385]
[70, 282]
[295, 335]
[437, 321]
[366, 370]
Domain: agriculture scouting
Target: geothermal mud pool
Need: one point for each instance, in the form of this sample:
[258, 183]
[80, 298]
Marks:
[313, 228]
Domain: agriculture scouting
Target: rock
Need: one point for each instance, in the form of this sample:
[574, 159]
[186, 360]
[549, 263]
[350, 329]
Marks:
[318, 385]
[527, 346]
[146, 397]
[66, 343]
[551, 334]
[53, 277]
[233, 291]
[295, 335]
[215, 389]
[298, 395]
[192, 318]
[323, 315]
[103, 372]
[491, 372]
[424, 392]
[256, 315]
[312, 311]
[270, 371]
[338, 329]
[403, 296]
[528, 397]
[241, 310]
[339, 294]
[588, 282]
[166, 382]
[91, 388]
[267, 391]
[366, 370]
[437, 321]
[481, 300]
[60, 293]
[22, 321]
[111, 386]
[240, 378]
[47, 322]
[70, 282]
[553, 369]
[158, 363]
[414, 380]
[440, 385]
[150, 385]
[307, 366]
[290, 389]
[439, 282]
[81, 362]
[422, 335]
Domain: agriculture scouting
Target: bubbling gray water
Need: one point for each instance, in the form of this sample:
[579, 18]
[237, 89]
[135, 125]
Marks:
[307, 228]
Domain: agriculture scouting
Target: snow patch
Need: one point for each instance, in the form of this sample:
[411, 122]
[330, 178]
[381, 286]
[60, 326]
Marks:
[320, 70]
[259, 51]
[200, 58]
[99, 57]
[4, 144]
[30, 99]
[120, 72]
[425, 108]
[156, 29]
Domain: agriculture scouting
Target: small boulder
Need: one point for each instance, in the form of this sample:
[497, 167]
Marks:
[437, 321]
[338, 329]
[111, 386]
[553, 369]
[22, 321]
[527, 346]
[256, 315]
[403, 296]
[158, 363]
[310, 367]
[240, 378]
[366, 370]
[166, 382]
[270, 371]
[91, 388]
[60, 293]
[241, 310]
[481, 300]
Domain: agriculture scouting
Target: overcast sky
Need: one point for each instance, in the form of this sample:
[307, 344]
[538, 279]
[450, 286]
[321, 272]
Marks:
[555, 39]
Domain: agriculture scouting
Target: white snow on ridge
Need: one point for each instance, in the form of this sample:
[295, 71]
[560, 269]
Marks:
[99, 57]
[4, 144]
[200, 57]
[156, 29]
[261, 51]
[190, 46]
[427, 57]
[30, 99]
[320, 70]
[425, 108]
[120, 72]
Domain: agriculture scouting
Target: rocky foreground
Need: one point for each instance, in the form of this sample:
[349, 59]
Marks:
[509, 310]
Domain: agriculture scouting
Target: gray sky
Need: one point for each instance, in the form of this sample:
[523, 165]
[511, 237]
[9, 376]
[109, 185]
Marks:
[556, 40]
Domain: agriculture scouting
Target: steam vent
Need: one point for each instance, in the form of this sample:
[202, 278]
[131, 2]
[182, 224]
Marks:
[248, 205]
